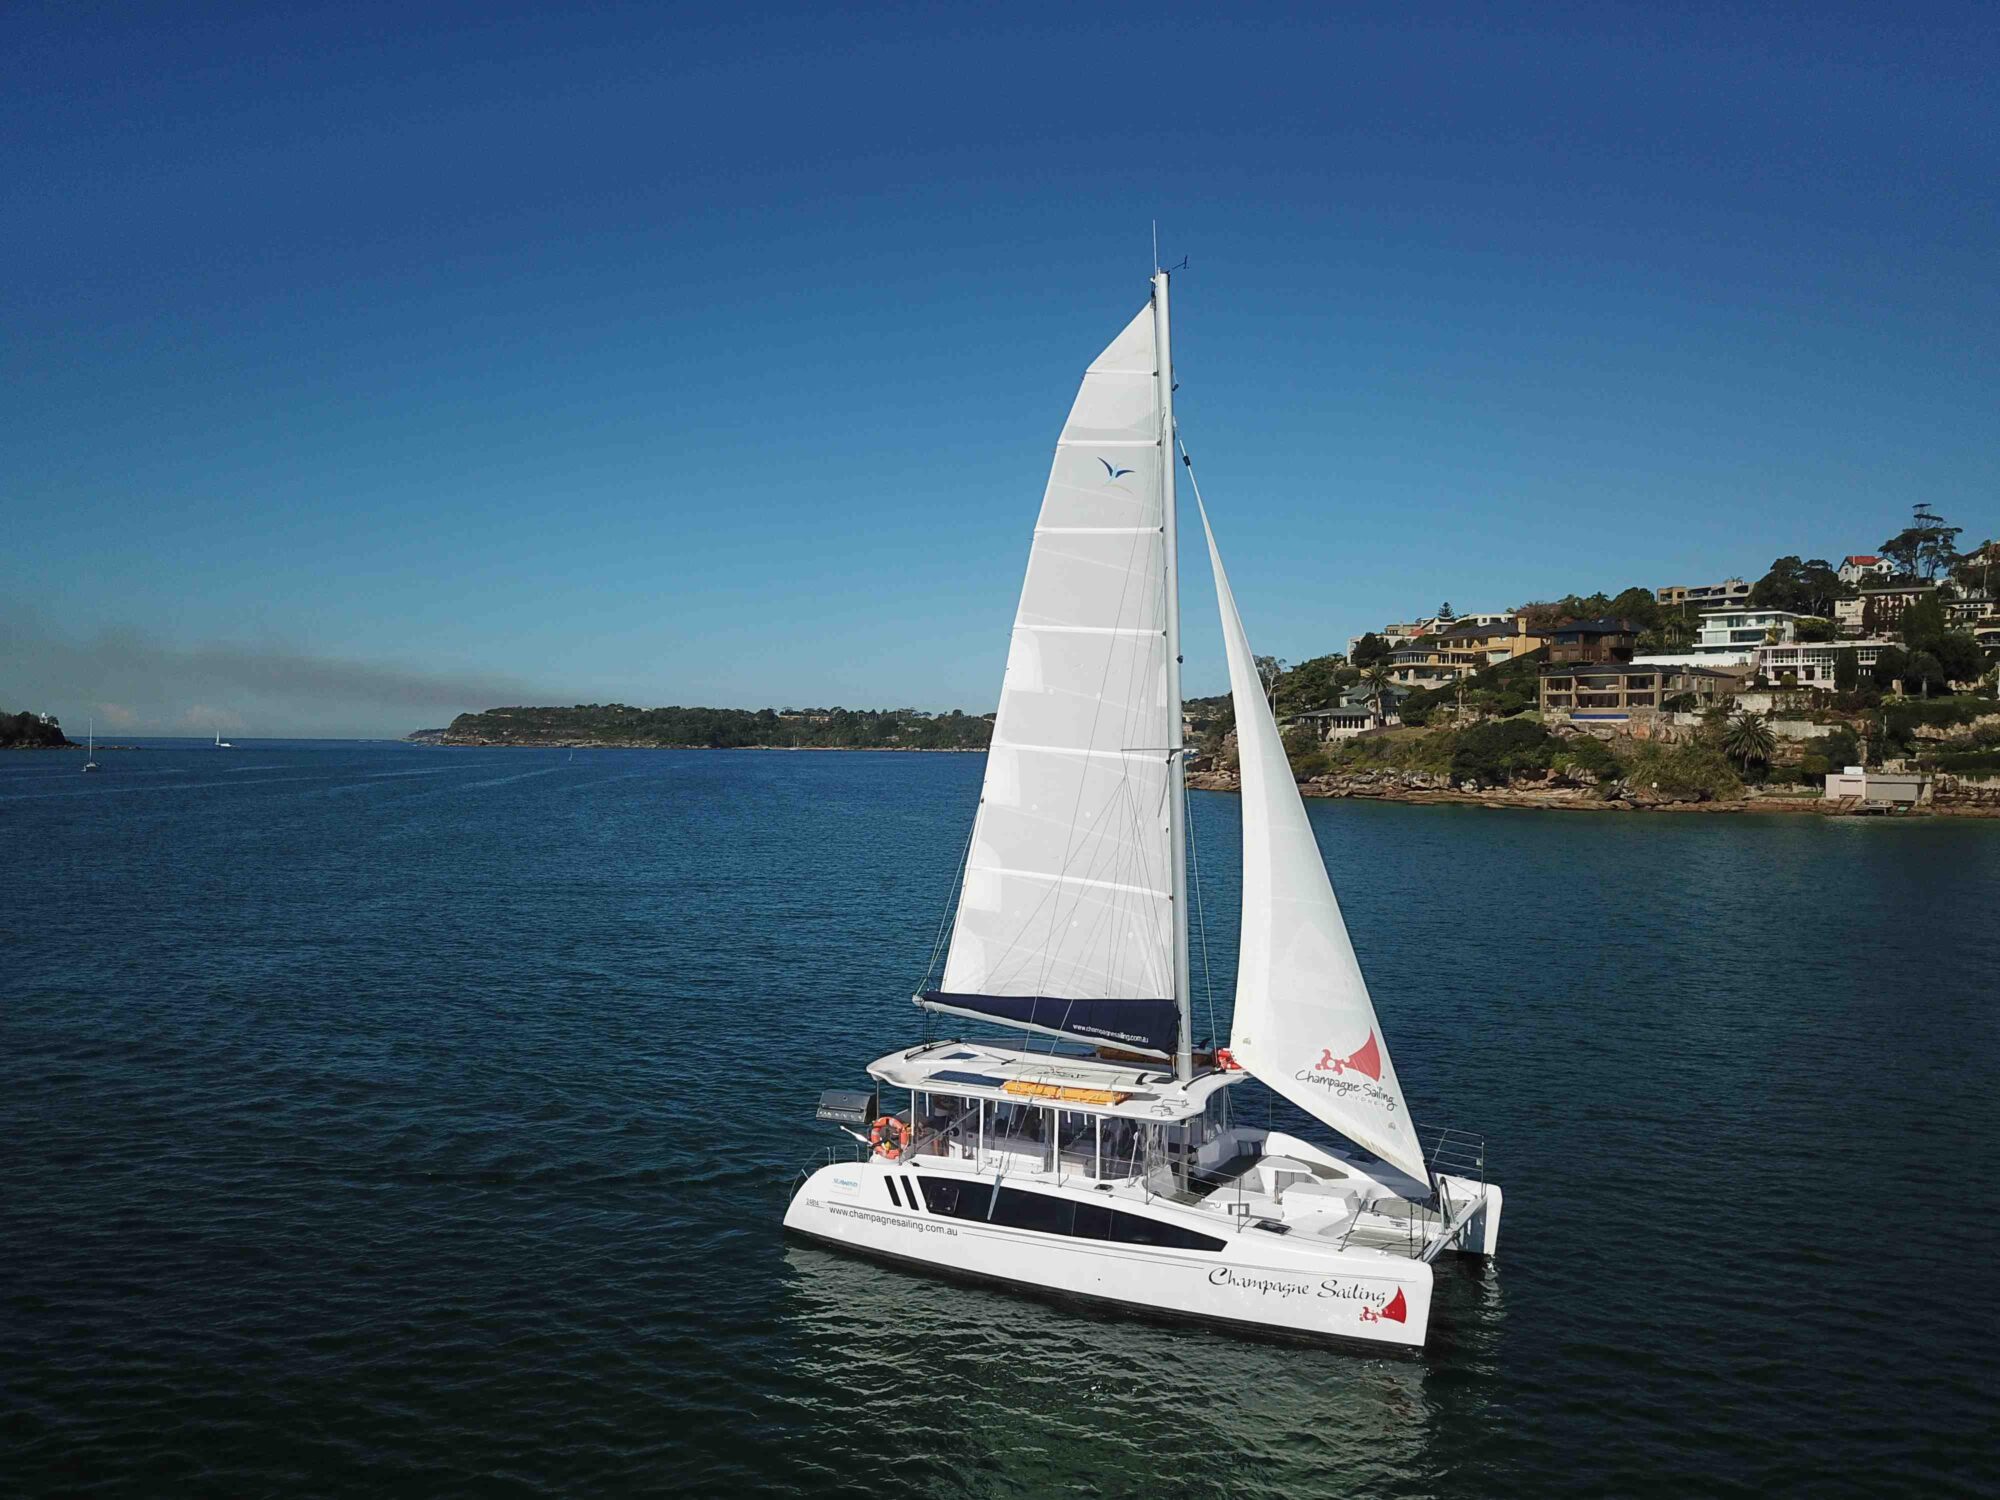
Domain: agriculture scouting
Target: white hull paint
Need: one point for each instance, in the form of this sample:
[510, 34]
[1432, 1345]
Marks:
[1286, 1284]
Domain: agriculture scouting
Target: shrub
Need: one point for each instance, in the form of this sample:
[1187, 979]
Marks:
[1841, 748]
[1586, 753]
[1498, 750]
[1307, 759]
[1417, 708]
[1684, 771]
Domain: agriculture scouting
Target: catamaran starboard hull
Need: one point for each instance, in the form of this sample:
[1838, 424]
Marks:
[1256, 1283]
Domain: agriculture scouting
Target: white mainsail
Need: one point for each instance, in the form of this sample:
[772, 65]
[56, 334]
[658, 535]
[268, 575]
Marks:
[1304, 1024]
[1066, 920]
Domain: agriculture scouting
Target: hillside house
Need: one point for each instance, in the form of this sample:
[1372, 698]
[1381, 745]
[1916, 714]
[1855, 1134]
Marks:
[1865, 567]
[1620, 692]
[1593, 641]
[1813, 663]
[1704, 595]
[1878, 610]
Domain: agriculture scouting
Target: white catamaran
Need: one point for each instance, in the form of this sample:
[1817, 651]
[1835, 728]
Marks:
[1106, 1162]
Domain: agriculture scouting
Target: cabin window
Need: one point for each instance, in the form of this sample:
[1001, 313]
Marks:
[1136, 1229]
[1042, 1212]
[957, 1200]
[1045, 1213]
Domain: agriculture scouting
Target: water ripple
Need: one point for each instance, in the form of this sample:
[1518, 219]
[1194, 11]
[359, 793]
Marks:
[409, 1143]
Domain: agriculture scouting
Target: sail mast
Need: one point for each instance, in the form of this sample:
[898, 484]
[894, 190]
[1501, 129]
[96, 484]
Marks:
[1176, 772]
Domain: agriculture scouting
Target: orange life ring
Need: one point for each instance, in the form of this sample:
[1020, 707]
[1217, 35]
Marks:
[890, 1137]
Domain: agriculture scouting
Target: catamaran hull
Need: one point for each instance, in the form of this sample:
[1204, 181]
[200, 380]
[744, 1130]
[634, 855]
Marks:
[1256, 1282]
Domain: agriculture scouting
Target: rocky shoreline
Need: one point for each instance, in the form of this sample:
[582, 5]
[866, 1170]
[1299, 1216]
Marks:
[1954, 800]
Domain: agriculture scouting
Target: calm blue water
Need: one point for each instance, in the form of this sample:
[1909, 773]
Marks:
[389, 1120]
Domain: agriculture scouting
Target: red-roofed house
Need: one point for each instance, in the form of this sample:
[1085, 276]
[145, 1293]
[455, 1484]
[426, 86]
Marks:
[1865, 565]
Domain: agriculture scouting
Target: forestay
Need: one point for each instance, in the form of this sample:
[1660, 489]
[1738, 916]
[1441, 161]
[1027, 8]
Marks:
[1065, 922]
[1304, 1024]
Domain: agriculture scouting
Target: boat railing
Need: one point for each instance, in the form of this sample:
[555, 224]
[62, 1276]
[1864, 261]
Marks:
[1460, 1153]
[1424, 1229]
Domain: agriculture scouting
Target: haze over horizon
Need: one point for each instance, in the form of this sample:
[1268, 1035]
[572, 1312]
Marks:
[370, 365]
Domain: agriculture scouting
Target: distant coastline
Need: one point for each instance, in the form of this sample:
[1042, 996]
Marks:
[617, 726]
[26, 731]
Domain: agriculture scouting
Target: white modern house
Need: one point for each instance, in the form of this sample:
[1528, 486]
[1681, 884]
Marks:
[1729, 638]
[1735, 630]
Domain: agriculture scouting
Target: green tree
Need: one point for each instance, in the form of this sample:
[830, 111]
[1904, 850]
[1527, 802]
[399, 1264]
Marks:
[1310, 685]
[1926, 671]
[1806, 586]
[1960, 656]
[1978, 571]
[1370, 649]
[1923, 625]
[1891, 663]
[1846, 670]
[1640, 606]
[1924, 548]
[1269, 670]
[1748, 738]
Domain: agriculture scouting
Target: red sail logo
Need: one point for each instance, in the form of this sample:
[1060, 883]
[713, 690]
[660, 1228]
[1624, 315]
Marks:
[1366, 1059]
[1396, 1310]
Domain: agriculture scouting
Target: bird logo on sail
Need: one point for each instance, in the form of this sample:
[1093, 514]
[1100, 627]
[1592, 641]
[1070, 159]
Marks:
[1365, 1059]
[1111, 475]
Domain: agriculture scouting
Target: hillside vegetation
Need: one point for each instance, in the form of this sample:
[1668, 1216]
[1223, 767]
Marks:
[619, 724]
[24, 731]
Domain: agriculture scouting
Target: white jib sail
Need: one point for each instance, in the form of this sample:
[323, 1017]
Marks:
[1304, 1024]
[1068, 888]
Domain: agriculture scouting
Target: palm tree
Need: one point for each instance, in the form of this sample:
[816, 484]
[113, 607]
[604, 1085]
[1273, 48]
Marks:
[1746, 738]
[1378, 681]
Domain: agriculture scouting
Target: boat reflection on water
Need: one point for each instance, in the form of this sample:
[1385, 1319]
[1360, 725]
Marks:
[1013, 1395]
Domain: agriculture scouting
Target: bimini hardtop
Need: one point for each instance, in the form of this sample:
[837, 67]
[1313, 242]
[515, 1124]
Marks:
[1098, 1155]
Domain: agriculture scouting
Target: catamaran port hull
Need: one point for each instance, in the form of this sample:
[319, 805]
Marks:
[1254, 1280]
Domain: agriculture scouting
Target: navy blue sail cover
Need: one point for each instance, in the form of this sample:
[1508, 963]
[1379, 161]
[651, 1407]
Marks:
[1141, 1025]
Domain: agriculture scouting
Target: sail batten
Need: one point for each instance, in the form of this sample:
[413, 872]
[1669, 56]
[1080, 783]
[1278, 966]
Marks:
[1304, 1023]
[1067, 908]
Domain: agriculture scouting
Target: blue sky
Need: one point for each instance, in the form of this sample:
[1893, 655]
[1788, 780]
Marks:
[366, 364]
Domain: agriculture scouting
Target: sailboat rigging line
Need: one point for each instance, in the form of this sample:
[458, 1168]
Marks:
[1200, 916]
[951, 891]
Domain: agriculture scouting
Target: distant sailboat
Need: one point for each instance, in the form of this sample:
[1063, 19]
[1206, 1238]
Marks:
[221, 743]
[1111, 1164]
[90, 753]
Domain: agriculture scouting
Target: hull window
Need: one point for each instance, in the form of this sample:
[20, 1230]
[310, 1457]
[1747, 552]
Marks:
[1037, 1211]
[1045, 1213]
